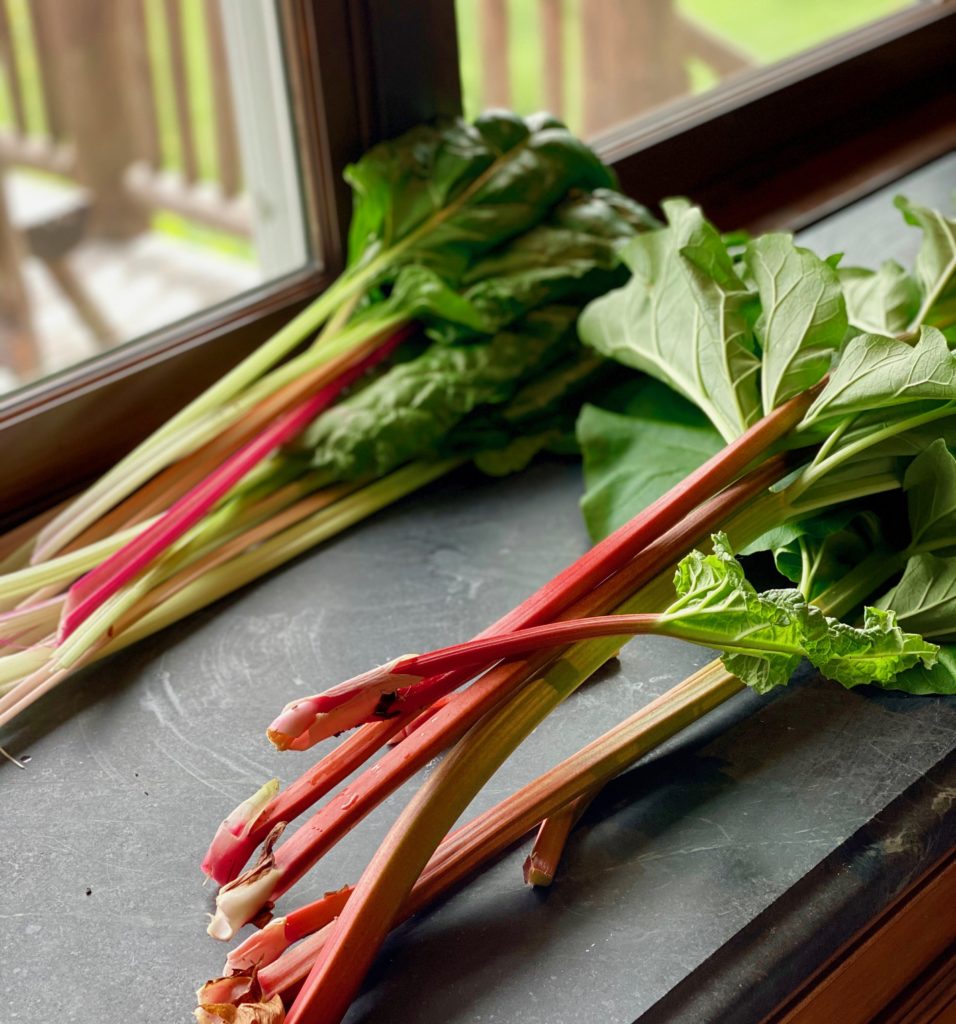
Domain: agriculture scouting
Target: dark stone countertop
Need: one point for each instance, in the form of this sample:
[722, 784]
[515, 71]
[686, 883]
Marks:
[701, 886]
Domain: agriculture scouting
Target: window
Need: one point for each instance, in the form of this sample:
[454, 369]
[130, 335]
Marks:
[599, 63]
[783, 142]
[149, 170]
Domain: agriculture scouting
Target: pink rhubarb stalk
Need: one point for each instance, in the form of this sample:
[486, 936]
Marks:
[357, 935]
[406, 707]
[270, 942]
[237, 837]
[89, 592]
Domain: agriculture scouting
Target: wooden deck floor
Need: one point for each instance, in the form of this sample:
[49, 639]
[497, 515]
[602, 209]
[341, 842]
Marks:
[137, 286]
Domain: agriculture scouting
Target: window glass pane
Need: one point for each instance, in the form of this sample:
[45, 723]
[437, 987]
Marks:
[147, 170]
[598, 63]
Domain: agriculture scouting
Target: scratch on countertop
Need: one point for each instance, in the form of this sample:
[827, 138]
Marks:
[189, 771]
[98, 756]
[166, 679]
[151, 702]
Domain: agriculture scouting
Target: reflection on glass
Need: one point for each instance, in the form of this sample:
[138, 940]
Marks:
[147, 170]
[597, 63]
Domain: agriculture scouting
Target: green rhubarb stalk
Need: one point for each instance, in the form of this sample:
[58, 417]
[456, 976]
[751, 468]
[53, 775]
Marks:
[181, 436]
[283, 548]
[127, 474]
[63, 569]
[38, 670]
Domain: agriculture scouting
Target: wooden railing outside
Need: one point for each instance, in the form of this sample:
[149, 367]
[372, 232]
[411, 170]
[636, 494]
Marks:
[99, 99]
[634, 56]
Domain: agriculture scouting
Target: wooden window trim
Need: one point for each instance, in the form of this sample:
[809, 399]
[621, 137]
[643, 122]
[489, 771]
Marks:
[876, 967]
[786, 143]
[791, 142]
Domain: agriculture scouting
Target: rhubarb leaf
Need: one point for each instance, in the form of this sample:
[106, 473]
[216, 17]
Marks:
[930, 485]
[680, 319]
[765, 635]
[936, 262]
[406, 413]
[729, 355]
[875, 653]
[825, 547]
[762, 635]
[876, 373]
[883, 301]
[803, 316]
[442, 195]
[925, 598]
[939, 678]
[633, 457]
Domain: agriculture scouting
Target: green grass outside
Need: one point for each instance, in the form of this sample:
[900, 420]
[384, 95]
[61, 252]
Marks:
[767, 30]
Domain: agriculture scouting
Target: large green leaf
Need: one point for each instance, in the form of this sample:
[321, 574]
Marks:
[883, 301]
[680, 319]
[762, 635]
[803, 316]
[570, 257]
[925, 598]
[539, 416]
[875, 653]
[407, 412]
[936, 262]
[938, 678]
[765, 635]
[443, 195]
[877, 373]
[634, 456]
[930, 485]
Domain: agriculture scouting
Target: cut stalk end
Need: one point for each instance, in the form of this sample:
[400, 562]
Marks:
[230, 847]
[243, 900]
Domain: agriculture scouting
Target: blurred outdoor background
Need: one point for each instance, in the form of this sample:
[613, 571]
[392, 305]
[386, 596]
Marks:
[147, 157]
[147, 167]
[597, 63]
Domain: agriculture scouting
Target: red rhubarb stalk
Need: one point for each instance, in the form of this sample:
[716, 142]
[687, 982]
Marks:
[541, 865]
[553, 794]
[233, 844]
[235, 840]
[269, 943]
[421, 719]
[295, 856]
[623, 544]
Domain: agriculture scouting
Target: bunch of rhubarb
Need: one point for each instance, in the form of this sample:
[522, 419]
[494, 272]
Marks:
[472, 250]
[825, 398]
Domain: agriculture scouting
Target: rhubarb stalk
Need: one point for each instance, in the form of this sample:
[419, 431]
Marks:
[295, 856]
[390, 876]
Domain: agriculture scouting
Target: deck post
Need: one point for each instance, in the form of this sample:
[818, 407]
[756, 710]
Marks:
[17, 349]
[89, 39]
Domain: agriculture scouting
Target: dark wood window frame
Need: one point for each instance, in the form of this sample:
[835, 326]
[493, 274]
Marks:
[784, 145]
